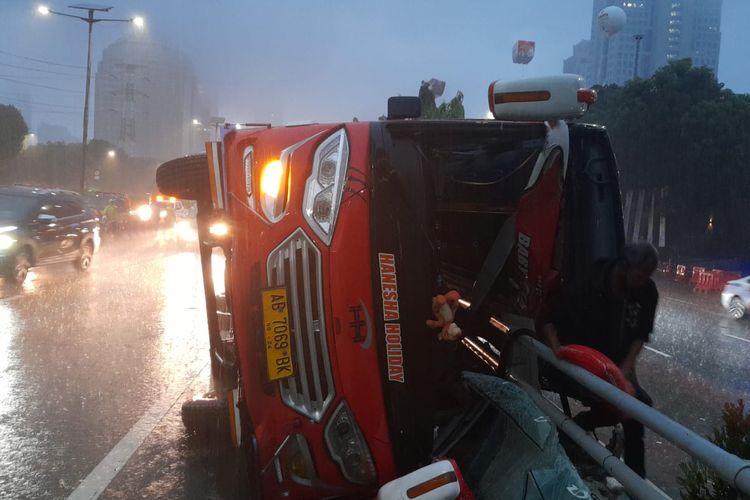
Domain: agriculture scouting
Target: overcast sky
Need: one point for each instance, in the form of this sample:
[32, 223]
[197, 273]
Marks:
[322, 60]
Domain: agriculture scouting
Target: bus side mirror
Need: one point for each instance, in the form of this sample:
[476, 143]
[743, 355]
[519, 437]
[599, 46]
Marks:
[438, 481]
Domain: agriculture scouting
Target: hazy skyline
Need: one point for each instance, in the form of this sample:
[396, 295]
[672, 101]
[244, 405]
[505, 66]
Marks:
[322, 61]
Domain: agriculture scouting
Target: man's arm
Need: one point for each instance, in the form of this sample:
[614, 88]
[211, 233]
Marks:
[550, 335]
[628, 364]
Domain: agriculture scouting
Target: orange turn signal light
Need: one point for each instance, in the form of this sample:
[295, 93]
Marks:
[431, 484]
[531, 96]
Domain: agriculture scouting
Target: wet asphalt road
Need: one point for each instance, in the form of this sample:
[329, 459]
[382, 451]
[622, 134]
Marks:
[87, 359]
[96, 361]
[702, 360]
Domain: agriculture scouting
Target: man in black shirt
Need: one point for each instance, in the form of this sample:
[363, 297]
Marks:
[614, 315]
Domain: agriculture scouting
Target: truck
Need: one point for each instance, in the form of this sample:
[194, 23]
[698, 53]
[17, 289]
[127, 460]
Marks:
[336, 237]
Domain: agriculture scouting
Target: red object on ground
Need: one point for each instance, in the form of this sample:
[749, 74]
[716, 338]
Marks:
[597, 363]
[696, 274]
[707, 282]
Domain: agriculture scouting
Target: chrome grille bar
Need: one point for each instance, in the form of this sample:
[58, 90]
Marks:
[296, 264]
[301, 360]
[312, 340]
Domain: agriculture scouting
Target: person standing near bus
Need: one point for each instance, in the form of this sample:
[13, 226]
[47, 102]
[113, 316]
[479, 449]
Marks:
[615, 316]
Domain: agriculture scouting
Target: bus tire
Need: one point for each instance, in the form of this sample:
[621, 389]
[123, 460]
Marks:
[207, 418]
[185, 178]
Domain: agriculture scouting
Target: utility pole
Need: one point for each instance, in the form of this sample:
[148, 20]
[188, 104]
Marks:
[90, 20]
[638, 39]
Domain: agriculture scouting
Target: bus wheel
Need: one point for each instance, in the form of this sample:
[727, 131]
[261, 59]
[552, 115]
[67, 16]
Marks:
[185, 178]
[207, 418]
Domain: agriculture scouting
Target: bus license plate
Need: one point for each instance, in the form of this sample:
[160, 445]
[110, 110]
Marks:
[277, 333]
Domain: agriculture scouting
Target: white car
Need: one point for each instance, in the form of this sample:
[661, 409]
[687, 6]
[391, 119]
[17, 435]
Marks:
[736, 297]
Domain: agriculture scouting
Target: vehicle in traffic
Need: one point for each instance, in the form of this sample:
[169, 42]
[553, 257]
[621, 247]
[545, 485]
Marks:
[336, 236]
[112, 209]
[183, 232]
[44, 226]
[736, 297]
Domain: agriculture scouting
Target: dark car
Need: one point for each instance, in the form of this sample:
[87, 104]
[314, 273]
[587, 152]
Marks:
[44, 226]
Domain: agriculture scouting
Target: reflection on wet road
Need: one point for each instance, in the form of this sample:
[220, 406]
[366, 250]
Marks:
[83, 356]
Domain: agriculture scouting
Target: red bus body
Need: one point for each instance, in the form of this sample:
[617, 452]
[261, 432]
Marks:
[410, 223]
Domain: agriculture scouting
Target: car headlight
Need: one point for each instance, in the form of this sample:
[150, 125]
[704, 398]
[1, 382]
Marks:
[6, 241]
[326, 184]
[144, 213]
[162, 214]
[348, 447]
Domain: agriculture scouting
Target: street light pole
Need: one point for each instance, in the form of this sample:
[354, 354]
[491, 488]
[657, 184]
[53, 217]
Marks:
[86, 106]
[90, 20]
[638, 39]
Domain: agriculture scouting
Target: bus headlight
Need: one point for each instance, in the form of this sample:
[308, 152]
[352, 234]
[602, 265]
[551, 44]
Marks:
[219, 229]
[348, 447]
[274, 181]
[326, 184]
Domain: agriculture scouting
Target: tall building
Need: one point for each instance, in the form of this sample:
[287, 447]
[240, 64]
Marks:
[656, 31]
[146, 97]
[692, 30]
[580, 62]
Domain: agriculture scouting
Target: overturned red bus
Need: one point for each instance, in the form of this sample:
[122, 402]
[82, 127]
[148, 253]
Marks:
[339, 235]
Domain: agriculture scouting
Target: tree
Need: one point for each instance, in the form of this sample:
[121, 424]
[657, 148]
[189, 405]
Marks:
[451, 110]
[13, 129]
[683, 132]
[56, 164]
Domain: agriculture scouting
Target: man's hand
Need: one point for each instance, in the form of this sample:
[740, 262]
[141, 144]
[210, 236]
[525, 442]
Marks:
[444, 308]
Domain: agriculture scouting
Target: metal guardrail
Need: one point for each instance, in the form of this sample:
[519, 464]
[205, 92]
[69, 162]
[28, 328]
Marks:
[634, 484]
[731, 468]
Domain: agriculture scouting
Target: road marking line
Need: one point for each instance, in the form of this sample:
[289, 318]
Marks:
[99, 478]
[695, 304]
[682, 301]
[658, 352]
[735, 337]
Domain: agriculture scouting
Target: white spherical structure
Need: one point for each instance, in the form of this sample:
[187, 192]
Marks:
[611, 19]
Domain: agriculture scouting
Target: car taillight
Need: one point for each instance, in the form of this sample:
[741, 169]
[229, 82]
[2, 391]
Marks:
[348, 447]
[326, 184]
